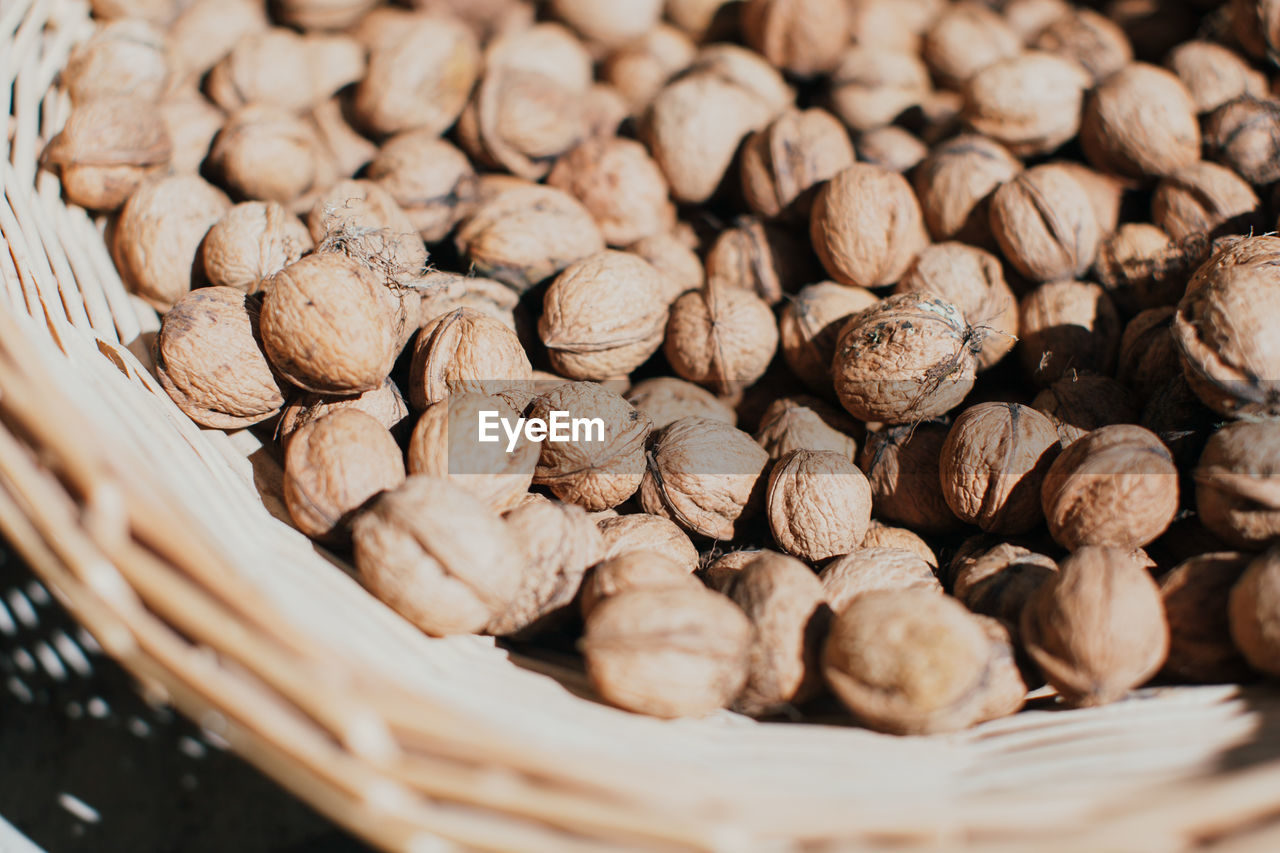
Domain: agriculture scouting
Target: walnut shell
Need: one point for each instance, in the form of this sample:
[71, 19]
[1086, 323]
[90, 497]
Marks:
[280, 68]
[158, 234]
[620, 184]
[363, 221]
[666, 399]
[639, 531]
[902, 465]
[346, 147]
[680, 266]
[1254, 602]
[1256, 26]
[721, 337]
[1140, 267]
[908, 358]
[207, 30]
[465, 350]
[609, 24]
[803, 37]
[192, 122]
[873, 85]
[762, 258]
[818, 504]
[891, 147]
[966, 38]
[880, 535]
[895, 24]
[1181, 420]
[1105, 193]
[639, 569]
[1045, 224]
[1214, 74]
[251, 242]
[268, 153]
[1091, 39]
[1204, 198]
[720, 570]
[1148, 354]
[438, 556]
[333, 466]
[1238, 484]
[641, 67]
[1029, 18]
[874, 569]
[431, 180]
[806, 423]
[810, 325]
[1030, 102]
[1079, 403]
[1097, 628]
[784, 163]
[321, 14]
[208, 358]
[125, 57]
[1067, 325]
[1196, 597]
[993, 465]
[521, 120]
[1244, 135]
[866, 226]
[107, 148]
[1116, 486]
[384, 404]
[998, 581]
[706, 476]
[547, 49]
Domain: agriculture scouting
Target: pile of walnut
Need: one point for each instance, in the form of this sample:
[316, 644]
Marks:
[853, 285]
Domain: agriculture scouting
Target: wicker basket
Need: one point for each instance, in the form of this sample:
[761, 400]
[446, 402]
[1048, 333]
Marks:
[164, 540]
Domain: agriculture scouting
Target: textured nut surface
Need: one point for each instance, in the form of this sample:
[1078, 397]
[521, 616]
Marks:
[784, 163]
[639, 569]
[1045, 224]
[620, 184]
[866, 226]
[384, 403]
[1148, 354]
[361, 219]
[431, 180]
[1079, 403]
[804, 37]
[680, 266]
[762, 258]
[1029, 102]
[667, 398]
[806, 423]
[1139, 122]
[1242, 134]
[955, 182]
[1091, 39]
[521, 119]
[902, 466]
[818, 503]
[873, 569]
[252, 241]
[871, 86]
[465, 350]
[123, 57]
[609, 24]
[966, 38]
[1202, 198]
[1140, 267]
[1196, 597]
[810, 324]
[1067, 325]
[997, 581]
[1254, 602]
[640, 531]
[1214, 74]
[881, 535]
[720, 337]
[1238, 484]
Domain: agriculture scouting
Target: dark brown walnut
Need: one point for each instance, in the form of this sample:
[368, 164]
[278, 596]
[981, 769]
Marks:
[1029, 18]
[891, 147]
[993, 465]
[706, 476]
[1140, 267]
[1254, 603]
[638, 569]
[106, 149]
[973, 281]
[438, 556]
[209, 359]
[1256, 26]
[333, 466]
[720, 570]
[1097, 629]
[465, 350]
[875, 569]
[1091, 39]
[1238, 484]
[873, 85]
[998, 580]
[1148, 355]
[626, 534]
[268, 153]
[192, 122]
[1214, 74]
[329, 325]
[880, 535]
[966, 38]
[789, 617]
[667, 652]
[127, 57]
[251, 242]
[1116, 486]
[1196, 598]
[1154, 28]
[206, 30]
[762, 258]
[1140, 122]
[447, 442]
[1105, 192]
[679, 264]
[527, 233]
[1030, 103]
[866, 226]
[1181, 420]
[560, 542]
[363, 221]
[902, 465]
[603, 316]
[1244, 135]
[608, 25]
[783, 164]
[910, 357]
[1079, 403]
[955, 183]
[1044, 222]
[620, 184]
[1067, 325]
[1223, 329]
[431, 180]
[384, 403]
[157, 237]
[641, 67]
[604, 467]
[721, 337]
[818, 504]
[1204, 198]
[810, 325]
[912, 662]
[1185, 539]
[802, 37]
[421, 70]
[806, 423]
[666, 399]
[281, 68]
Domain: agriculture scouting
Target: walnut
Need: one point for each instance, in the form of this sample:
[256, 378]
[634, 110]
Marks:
[639, 569]
[1029, 18]
[431, 180]
[784, 163]
[384, 404]
[965, 39]
[908, 661]
[1244, 134]
[666, 399]
[438, 556]
[208, 358]
[705, 476]
[993, 465]
[720, 570]
[207, 30]
[1030, 102]
[107, 148]
[1182, 421]
[1204, 198]
[802, 37]
[251, 242]
[680, 266]
[1140, 122]
[1116, 486]
[547, 49]
[721, 337]
[1067, 325]
[446, 292]
[126, 57]
[348, 149]
[156, 12]
[1097, 628]
[280, 68]
[762, 258]
[880, 535]
[874, 569]
[1252, 612]
[599, 471]
[608, 24]
[1140, 267]
[997, 581]
[321, 14]
[955, 183]
[527, 233]
[891, 147]
[626, 534]
[784, 601]
[1045, 223]
[268, 153]
[806, 423]
[192, 122]
[361, 219]
[1238, 484]
[1105, 193]
[465, 350]
[158, 234]
[1223, 330]
[1079, 403]
[894, 24]
[1196, 598]
[810, 325]
[333, 466]
[620, 184]
[641, 67]
[872, 85]
[907, 358]
[1148, 355]
[1094, 41]
[902, 466]
[866, 226]
[818, 503]
[1214, 74]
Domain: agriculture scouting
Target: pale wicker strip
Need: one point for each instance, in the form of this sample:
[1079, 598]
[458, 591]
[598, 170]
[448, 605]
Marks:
[166, 542]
